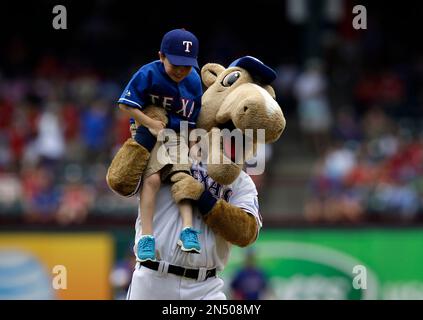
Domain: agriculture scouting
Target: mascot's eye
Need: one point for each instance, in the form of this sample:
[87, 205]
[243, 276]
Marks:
[231, 78]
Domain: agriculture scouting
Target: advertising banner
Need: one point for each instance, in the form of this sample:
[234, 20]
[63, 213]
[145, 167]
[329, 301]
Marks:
[338, 264]
[55, 265]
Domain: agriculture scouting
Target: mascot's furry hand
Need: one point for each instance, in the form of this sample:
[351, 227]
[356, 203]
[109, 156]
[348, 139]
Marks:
[185, 187]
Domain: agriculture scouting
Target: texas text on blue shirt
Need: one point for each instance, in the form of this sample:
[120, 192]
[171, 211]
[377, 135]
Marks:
[151, 85]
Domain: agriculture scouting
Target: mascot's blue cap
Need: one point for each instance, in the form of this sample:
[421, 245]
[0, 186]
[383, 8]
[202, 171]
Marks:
[256, 68]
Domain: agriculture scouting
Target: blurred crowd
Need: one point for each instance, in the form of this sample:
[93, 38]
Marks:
[379, 176]
[357, 105]
[60, 128]
[58, 131]
[363, 120]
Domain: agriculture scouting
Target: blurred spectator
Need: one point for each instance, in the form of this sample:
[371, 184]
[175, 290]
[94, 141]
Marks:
[330, 201]
[376, 123]
[284, 87]
[250, 282]
[49, 144]
[10, 191]
[346, 126]
[121, 275]
[96, 124]
[121, 128]
[338, 162]
[71, 123]
[75, 203]
[42, 195]
[314, 112]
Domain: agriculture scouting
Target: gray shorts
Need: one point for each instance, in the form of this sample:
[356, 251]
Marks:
[169, 157]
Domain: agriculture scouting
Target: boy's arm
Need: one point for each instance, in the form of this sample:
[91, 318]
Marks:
[142, 119]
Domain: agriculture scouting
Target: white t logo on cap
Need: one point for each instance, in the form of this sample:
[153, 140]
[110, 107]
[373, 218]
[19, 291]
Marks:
[187, 44]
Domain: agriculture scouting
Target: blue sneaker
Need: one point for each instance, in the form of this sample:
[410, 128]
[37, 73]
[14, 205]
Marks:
[146, 249]
[188, 240]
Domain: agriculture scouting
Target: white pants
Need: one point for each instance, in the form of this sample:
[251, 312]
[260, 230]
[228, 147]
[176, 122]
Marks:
[149, 284]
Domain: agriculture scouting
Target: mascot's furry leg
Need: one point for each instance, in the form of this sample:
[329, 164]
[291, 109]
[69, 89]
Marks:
[223, 218]
[126, 170]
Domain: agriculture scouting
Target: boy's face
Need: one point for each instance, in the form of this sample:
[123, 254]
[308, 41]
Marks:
[176, 73]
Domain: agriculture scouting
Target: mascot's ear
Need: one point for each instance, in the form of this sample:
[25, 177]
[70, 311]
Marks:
[270, 90]
[210, 72]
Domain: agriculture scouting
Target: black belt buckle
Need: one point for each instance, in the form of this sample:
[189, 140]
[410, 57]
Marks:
[210, 274]
[184, 273]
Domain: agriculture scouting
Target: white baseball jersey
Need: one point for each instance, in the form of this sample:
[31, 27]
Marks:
[167, 222]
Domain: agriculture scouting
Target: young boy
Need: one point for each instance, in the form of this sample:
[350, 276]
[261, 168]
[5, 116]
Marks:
[170, 82]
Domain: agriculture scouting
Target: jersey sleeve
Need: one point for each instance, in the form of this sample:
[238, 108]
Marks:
[135, 93]
[245, 196]
[198, 92]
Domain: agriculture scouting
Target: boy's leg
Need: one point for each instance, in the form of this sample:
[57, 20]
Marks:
[146, 249]
[185, 209]
[151, 186]
[177, 148]
[188, 240]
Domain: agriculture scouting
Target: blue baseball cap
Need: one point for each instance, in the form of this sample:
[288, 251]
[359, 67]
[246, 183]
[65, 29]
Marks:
[256, 68]
[180, 47]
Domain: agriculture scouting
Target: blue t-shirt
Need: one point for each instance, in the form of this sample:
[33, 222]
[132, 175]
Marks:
[249, 283]
[151, 85]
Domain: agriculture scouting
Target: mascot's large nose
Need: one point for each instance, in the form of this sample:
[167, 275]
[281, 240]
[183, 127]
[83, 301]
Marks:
[260, 113]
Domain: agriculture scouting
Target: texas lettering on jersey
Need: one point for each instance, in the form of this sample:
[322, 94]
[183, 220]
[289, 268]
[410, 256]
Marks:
[185, 109]
[217, 190]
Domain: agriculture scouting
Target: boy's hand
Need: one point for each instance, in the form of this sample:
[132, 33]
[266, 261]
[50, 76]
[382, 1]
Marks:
[156, 126]
[132, 127]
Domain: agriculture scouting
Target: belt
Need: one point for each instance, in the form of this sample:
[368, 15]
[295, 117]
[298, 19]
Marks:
[179, 271]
